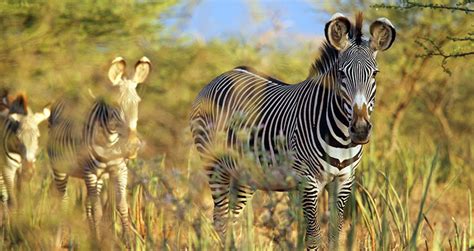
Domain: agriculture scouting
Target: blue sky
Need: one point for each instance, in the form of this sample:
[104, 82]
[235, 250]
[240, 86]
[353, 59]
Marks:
[245, 18]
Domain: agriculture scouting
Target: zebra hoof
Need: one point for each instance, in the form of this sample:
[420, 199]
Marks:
[63, 239]
[127, 240]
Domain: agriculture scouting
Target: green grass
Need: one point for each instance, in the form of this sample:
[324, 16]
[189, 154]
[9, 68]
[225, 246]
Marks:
[396, 205]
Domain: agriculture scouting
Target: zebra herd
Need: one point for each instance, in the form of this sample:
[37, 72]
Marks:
[253, 132]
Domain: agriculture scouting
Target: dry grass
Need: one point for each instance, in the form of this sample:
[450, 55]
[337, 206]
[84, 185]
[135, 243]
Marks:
[171, 209]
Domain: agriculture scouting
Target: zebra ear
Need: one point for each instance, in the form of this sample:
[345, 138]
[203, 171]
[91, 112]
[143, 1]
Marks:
[4, 104]
[117, 70]
[142, 69]
[40, 117]
[337, 31]
[382, 34]
[19, 105]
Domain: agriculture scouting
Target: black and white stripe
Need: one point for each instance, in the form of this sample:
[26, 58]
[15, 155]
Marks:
[100, 145]
[19, 146]
[256, 132]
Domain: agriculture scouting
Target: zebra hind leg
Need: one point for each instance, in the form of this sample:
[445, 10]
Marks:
[219, 183]
[241, 194]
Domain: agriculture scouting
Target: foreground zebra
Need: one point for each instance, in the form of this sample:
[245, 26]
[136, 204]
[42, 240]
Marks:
[19, 145]
[255, 132]
[101, 145]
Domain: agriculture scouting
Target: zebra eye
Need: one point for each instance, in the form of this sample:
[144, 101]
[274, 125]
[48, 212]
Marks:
[342, 74]
[374, 74]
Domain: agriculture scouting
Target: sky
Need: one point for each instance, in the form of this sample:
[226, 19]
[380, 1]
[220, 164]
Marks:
[299, 19]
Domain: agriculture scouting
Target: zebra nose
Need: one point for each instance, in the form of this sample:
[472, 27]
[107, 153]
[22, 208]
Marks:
[360, 132]
[360, 128]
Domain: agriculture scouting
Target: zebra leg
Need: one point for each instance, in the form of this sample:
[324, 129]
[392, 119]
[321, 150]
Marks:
[243, 193]
[4, 201]
[343, 191]
[310, 192]
[93, 207]
[219, 182]
[120, 179]
[60, 181]
[9, 180]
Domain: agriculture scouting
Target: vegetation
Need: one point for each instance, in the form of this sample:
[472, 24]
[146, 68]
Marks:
[413, 187]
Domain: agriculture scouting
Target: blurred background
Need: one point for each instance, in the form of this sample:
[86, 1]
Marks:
[414, 185]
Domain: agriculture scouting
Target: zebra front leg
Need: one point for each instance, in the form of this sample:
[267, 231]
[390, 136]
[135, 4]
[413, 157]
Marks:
[9, 180]
[310, 194]
[343, 190]
[93, 205]
[120, 178]
[219, 182]
[60, 181]
[4, 201]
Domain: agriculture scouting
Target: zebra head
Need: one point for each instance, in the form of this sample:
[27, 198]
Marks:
[127, 97]
[24, 124]
[357, 68]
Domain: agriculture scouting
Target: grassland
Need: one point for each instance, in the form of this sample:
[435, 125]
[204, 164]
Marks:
[398, 203]
[414, 186]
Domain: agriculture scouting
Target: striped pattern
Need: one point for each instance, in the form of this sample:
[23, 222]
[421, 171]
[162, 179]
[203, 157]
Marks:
[256, 132]
[19, 146]
[100, 145]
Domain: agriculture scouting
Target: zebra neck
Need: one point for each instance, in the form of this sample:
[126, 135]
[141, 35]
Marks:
[325, 111]
[324, 121]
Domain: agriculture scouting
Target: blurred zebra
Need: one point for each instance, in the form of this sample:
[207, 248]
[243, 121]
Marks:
[100, 146]
[5, 101]
[256, 132]
[20, 135]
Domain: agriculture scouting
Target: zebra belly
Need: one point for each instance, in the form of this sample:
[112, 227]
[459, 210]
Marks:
[76, 167]
[70, 167]
[264, 171]
[272, 180]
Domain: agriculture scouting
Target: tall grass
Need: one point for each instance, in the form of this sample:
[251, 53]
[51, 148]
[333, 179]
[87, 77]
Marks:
[395, 205]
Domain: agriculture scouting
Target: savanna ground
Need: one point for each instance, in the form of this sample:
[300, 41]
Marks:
[413, 187]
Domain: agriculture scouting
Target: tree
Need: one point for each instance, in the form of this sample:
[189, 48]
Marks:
[458, 46]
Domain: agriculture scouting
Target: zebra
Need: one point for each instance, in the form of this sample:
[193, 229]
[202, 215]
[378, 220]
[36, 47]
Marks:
[5, 101]
[254, 132]
[19, 144]
[100, 146]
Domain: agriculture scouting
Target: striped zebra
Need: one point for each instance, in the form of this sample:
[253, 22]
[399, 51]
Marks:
[256, 132]
[100, 146]
[19, 144]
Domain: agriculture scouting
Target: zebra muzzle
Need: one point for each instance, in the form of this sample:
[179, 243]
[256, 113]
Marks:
[360, 127]
[134, 146]
[27, 170]
[360, 132]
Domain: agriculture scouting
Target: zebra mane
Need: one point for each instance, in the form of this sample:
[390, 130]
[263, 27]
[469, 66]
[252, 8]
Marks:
[358, 27]
[102, 113]
[325, 61]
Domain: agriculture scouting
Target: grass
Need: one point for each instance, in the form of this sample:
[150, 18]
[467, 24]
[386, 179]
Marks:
[396, 205]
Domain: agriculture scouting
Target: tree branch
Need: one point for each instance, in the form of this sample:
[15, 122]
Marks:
[410, 5]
